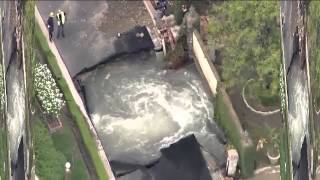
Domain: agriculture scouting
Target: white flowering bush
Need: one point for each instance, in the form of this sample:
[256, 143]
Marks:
[282, 90]
[48, 93]
[1, 89]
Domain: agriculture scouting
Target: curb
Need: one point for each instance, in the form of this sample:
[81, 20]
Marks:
[75, 94]
[264, 113]
[273, 169]
[151, 11]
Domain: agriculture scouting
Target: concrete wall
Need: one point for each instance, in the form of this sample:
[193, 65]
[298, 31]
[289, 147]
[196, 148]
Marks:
[205, 64]
[225, 115]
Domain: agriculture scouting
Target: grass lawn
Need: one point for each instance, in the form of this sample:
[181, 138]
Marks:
[49, 161]
[64, 144]
[3, 153]
[87, 137]
[65, 141]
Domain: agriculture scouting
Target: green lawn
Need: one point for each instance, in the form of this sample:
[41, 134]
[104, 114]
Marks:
[65, 141]
[61, 143]
[88, 139]
[3, 153]
[49, 161]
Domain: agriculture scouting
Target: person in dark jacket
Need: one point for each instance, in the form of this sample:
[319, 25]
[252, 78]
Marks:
[50, 25]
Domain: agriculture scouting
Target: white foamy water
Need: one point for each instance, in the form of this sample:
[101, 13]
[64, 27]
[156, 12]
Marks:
[298, 110]
[16, 110]
[138, 109]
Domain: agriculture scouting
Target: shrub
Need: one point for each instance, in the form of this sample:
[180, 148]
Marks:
[50, 97]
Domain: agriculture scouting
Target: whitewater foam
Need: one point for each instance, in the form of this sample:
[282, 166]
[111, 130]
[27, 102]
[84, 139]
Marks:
[16, 111]
[141, 109]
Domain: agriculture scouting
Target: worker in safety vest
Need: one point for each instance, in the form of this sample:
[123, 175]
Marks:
[50, 25]
[61, 19]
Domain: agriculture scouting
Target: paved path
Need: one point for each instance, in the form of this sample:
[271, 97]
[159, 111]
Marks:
[274, 176]
[251, 118]
[86, 43]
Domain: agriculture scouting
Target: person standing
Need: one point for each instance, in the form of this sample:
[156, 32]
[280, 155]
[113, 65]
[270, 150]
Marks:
[61, 19]
[50, 25]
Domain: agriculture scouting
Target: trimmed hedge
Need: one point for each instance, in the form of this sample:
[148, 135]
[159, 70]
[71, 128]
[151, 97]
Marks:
[4, 173]
[87, 137]
[283, 157]
[224, 119]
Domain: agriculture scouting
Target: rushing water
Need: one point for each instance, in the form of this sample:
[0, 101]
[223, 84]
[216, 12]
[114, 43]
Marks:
[139, 108]
[16, 108]
[298, 109]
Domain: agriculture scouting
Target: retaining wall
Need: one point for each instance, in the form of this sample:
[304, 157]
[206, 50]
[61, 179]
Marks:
[225, 115]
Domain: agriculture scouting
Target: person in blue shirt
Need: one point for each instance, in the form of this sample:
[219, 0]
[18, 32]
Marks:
[50, 25]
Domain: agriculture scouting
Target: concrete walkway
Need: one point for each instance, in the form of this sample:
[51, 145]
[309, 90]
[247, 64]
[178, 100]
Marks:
[88, 42]
[274, 176]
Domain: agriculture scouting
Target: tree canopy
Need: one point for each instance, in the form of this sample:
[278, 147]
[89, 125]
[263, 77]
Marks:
[249, 34]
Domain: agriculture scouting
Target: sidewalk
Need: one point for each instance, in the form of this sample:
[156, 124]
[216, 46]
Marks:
[274, 176]
[91, 30]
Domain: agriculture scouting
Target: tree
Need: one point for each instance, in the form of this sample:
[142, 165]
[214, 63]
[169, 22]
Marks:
[249, 33]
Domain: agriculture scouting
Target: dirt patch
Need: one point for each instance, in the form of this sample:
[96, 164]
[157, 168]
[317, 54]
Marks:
[121, 16]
